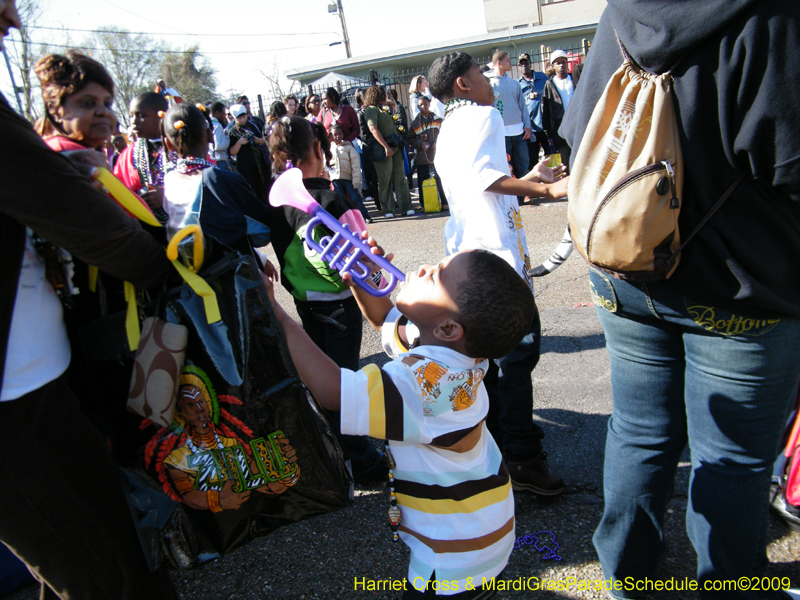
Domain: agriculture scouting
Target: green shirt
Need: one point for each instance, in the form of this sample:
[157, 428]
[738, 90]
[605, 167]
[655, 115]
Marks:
[382, 120]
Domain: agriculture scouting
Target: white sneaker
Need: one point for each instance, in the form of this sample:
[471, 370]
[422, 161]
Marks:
[411, 213]
[389, 215]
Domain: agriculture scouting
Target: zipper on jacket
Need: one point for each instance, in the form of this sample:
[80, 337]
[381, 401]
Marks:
[622, 184]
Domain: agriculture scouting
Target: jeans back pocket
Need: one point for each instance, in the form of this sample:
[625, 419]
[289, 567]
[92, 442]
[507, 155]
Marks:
[603, 294]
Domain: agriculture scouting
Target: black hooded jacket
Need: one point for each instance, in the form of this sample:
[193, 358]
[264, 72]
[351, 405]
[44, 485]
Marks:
[736, 66]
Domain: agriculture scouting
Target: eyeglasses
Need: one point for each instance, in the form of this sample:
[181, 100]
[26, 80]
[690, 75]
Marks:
[317, 101]
[246, 103]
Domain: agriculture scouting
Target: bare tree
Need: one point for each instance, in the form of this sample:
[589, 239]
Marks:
[132, 60]
[272, 74]
[191, 74]
[23, 56]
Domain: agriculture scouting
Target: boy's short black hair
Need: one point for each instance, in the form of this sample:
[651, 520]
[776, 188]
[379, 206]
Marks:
[217, 107]
[444, 72]
[496, 307]
[150, 101]
[499, 55]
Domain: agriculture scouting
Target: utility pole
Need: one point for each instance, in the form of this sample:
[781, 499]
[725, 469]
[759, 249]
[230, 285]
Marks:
[337, 7]
[14, 83]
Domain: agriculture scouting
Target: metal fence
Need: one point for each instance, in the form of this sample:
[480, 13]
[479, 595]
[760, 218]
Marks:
[400, 81]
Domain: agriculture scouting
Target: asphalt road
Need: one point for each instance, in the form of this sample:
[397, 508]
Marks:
[326, 557]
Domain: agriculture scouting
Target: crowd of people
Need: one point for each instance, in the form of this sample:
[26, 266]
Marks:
[455, 403]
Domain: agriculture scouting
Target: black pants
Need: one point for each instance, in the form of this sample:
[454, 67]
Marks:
[63, 510]
[370, 177]
[335, 327]
[538, 140]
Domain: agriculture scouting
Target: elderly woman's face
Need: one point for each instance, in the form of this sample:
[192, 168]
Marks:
[86, 116]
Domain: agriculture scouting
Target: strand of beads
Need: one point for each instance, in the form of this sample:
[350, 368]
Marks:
[533, 539]
[394, 510]
[192, 163]
[457, 103]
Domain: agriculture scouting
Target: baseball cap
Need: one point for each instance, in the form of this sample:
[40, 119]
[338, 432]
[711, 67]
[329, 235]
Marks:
[524, 56]
[558, 54]
[237, 110]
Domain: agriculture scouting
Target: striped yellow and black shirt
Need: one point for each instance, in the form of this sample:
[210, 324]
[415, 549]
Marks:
[451, 483]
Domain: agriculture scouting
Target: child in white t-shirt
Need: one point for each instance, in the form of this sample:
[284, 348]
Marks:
[484, 213]
[430, 403]
[471, 160]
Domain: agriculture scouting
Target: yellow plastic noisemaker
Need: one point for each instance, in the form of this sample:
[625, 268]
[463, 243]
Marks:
[199, 253]
[126, 198]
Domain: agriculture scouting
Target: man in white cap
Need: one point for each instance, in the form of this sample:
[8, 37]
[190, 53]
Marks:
[555, 100]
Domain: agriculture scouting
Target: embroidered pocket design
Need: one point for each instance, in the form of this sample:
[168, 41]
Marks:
[603, 294]
[723, 322]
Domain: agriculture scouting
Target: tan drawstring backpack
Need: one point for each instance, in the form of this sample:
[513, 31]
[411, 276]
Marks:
[625, 189]
[627, 178]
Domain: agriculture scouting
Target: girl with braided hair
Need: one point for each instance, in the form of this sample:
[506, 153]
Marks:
[228, 209]
[326, 306]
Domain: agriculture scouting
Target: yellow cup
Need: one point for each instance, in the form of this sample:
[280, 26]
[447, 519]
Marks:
[554, 160]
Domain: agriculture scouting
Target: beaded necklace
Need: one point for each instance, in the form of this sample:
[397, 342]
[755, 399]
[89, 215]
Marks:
[194, 450]
[394, 510]
[192, 163]
[149, 165]
[455, 104]
[532, 539]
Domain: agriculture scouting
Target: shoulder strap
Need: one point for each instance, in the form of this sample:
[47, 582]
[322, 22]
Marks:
[710, 214]
[624, 50]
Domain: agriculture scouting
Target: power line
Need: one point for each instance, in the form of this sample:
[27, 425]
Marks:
[141, 17]
[13, 41]
[154, 33]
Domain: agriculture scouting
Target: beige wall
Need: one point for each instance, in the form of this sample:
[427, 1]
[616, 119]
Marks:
[508, 14]
[570, 10]
[504, 14]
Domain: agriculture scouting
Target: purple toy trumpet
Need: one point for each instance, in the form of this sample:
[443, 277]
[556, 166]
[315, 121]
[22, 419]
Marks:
[345, 250]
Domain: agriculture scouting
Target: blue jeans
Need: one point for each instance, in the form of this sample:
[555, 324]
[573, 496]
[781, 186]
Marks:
[345, 188]
[683, 372]
[510, 387]
[222, 165]
[517, 149]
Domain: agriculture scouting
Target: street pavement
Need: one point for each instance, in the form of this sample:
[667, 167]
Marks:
[328, 557]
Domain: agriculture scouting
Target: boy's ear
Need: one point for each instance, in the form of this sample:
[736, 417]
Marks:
[449, 331]
[461, 84]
